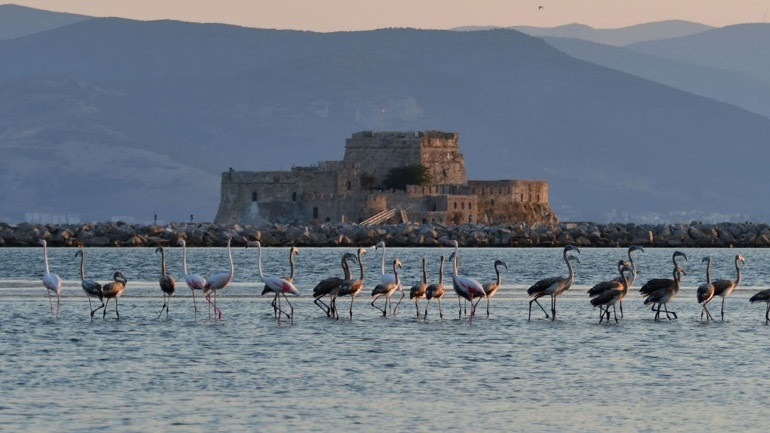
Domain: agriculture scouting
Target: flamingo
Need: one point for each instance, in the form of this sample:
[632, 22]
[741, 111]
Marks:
[292, 252]
[193, 281]
[351, 287]
[278, 285]
[386, 278]
[113, 290]
[662, 291]
[436, 290]
[465, 287]
[387, 289]
[611, 285]
[491, 288]
[634, 273]
[656, 283]
[763, 296]
[612, 293]
[327, 285]
[91, 287]
[706, 291]
[723, 288]
[51, 281]
[417, 291]
[166, 281]
[553, 286]
[219, 281]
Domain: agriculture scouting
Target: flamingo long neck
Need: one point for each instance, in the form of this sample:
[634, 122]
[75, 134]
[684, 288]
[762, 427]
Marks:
[45, 254]
[632, 278]
[497, 271]
[162, 262]
[361, 265]
[395, 272]
[291, 264]
[457, 255]
[738, 271]
[184, 257]
[382, 264]
[259, 245]
[346, 267]
[708, 271]
[82, 265]
[571, 276]
[441, 271]
[424, 273]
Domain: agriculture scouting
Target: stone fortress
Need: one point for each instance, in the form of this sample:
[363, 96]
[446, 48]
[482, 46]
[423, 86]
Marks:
[351, 190]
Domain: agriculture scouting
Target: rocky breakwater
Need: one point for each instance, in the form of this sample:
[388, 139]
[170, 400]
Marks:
[694, 234]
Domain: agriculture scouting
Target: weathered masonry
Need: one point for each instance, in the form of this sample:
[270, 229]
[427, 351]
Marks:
[351, 190]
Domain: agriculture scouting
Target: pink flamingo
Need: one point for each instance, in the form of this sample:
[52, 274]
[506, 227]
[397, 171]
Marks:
[219, 281]
[193, 281]
[279, 286]
[466, 287]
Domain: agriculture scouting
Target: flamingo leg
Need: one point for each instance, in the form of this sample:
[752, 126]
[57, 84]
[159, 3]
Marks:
[195, 307]
[538, 304]
[290, 306]
[376, 297]
[723, 309]
[487, 307]
[459, 308]
[614, 313]
[96, 309]
[322, 305]
[440, 314]
[399, 302]
[620, 304]
[553, 307]
[767, 314]
[425, 315]
[352, 298]
[50, 302]
[117, 314]
[104, 311]
[163, 307]
[58, 300]
[416, 307]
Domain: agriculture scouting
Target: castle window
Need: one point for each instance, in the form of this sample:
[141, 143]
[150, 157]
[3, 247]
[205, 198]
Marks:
[254, 196]
[315, 212]
[455, 205]
[530, 196]
[522, 197]
[443, 171]
[462, 205]
[349, 185]
[538, 198]
[469, 205]
[492, 202]
[294, 196]
[470, 218]
[434, 207]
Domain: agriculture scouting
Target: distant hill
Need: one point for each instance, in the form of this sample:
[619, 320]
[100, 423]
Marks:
[17, 21]
[741, 89]
[620, 36]
[118, 117]
[742, 48]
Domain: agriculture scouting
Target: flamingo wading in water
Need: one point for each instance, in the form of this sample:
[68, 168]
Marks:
[351, 287]
[436, 291]
[491, 288]
[722, 288]
[219, 281]
[387, 289]
[278, 285]
[51, 281]
[193, 281]
[92, 288]
[706, 291]
[113, 290]
[166, 281]
[465, 287]
[553, 286]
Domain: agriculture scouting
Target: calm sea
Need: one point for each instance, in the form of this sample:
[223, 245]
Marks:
[374, 374]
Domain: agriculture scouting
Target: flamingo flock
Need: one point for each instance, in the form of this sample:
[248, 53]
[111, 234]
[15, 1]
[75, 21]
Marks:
[657, 293]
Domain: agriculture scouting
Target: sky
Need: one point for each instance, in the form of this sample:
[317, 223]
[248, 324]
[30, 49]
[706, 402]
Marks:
[342, 15]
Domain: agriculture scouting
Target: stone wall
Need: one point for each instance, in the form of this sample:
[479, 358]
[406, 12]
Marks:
[501, 201]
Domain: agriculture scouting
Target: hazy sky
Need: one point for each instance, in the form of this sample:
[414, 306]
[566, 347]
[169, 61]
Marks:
[331, 15]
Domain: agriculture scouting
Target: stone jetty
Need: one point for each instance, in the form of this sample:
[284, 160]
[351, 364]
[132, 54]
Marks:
[694, 234]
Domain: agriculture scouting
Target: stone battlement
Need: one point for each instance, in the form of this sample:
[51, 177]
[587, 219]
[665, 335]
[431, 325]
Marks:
[351, 189]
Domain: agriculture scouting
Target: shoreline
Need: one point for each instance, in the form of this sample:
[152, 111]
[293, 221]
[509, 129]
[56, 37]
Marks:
[585, 234]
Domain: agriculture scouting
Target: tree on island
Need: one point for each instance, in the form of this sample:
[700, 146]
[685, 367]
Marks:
[399, 177]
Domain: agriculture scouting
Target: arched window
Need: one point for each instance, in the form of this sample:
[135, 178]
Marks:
[455, 205]
[315, 212]
[462, 205]
[349, 185]
[294, 196]
[253, 196]
[492, 202]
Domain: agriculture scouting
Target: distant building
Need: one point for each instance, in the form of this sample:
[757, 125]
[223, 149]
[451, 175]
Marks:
[350, 190]
[48, 218]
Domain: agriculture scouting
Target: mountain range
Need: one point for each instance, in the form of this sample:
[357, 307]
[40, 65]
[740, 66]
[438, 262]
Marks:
[107, 117]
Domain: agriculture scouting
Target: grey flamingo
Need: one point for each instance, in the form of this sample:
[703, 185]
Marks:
[51, 281]
[113, 290]
[92, 288]
[553, 286]
[634, 272]
[612, 293]
[763, 296]
[351, 287]
[193, 281]
[723, 288]
[491, 288]
[706, 291]
[327, 285]
[656, 283]
[661, 291]
[417, 291]
[277, 284]
[387, 289]
[436, 291]
[166, 281]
